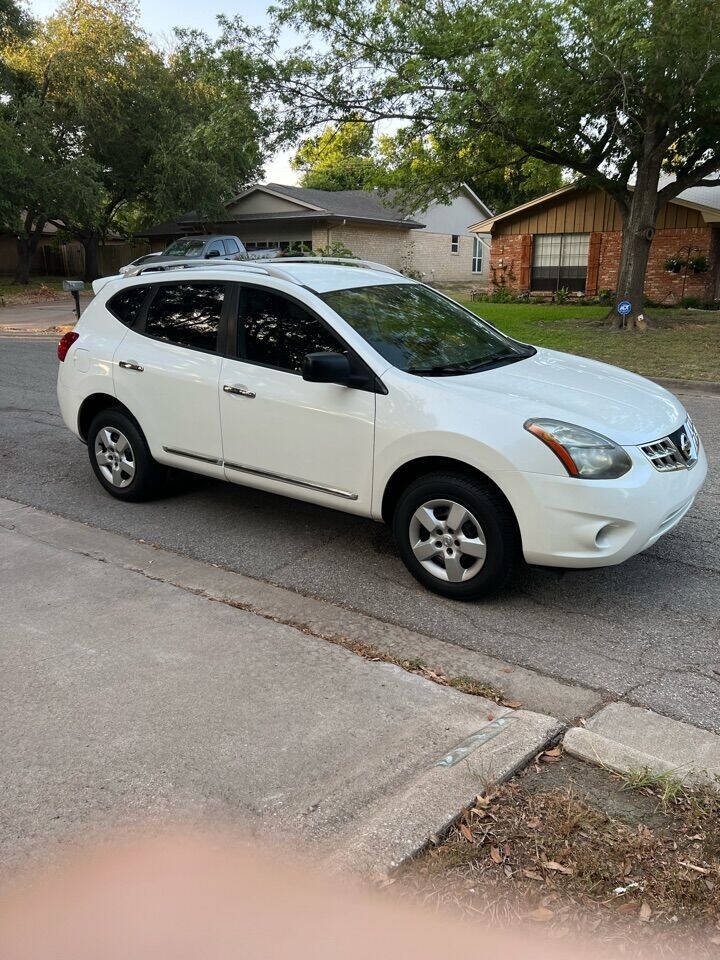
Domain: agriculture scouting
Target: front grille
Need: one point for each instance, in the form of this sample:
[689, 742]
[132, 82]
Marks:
[678, 451]
[664, 455]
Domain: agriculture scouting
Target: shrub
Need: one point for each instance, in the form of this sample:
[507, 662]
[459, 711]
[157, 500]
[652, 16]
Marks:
[501, 294]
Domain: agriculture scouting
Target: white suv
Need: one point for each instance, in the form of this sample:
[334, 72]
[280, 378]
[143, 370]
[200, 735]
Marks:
[353, 387]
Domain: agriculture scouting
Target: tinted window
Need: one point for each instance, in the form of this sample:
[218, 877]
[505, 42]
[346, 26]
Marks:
[187, 314]
[217, 246]
[127, 304]
[231, 246]
[279, 332]
[186, 247]
[418, 330]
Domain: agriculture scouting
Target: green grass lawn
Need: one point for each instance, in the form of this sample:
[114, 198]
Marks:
[680, 343]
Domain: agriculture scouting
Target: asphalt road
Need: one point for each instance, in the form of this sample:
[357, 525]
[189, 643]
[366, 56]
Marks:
[647, 631]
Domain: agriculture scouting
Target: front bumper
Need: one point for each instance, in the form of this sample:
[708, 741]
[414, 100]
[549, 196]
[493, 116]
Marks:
[565, 522]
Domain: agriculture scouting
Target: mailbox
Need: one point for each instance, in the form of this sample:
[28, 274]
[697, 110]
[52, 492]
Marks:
[74, 287]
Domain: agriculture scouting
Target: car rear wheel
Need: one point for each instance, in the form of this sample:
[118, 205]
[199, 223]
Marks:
[457, 535]
[121, 458]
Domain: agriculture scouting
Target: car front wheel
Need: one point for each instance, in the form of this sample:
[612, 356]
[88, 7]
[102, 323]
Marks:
[457, 535]
[121, 458]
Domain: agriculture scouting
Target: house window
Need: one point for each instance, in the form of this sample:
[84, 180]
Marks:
[560, 260]
[477, 263]
[277, 244]
[454, 243]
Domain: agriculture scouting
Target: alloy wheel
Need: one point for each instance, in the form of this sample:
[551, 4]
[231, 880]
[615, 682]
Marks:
[115, 456]
[447, 540]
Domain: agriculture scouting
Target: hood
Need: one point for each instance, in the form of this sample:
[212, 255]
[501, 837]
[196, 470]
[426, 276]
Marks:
[623, 406]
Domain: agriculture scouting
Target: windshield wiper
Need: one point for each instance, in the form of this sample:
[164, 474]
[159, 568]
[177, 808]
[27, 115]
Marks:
[472, 366]
[439, 371]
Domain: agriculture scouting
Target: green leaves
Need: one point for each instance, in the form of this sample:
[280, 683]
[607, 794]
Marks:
[339, 158]
[103, 131]
[577, 83]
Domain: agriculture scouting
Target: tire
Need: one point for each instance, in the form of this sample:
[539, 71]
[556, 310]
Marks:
[121, 458]
[465, 562]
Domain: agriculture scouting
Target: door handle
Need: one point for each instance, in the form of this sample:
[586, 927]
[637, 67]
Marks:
[238, 390]
[130, 365]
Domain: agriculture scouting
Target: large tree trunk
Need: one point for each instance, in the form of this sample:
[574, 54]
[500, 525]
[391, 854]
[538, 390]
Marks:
[27, 243]
[637, 234]
[91, 246]
[24, 259]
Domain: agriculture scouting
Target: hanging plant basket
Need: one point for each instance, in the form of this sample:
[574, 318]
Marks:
[699, 264]
[674, 264]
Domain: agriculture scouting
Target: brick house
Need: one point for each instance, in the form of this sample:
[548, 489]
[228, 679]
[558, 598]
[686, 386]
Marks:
[436, 243]
[571, 238]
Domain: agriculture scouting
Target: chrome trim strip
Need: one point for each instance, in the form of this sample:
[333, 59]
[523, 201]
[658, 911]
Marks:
[193, 456]
[298, 483]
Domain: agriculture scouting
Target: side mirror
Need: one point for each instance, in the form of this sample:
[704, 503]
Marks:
[327, 368]
[211, 254]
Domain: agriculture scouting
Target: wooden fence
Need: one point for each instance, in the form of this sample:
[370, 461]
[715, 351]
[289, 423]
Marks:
[68, 259]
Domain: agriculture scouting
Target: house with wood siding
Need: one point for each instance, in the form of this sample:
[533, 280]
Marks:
[571, 239]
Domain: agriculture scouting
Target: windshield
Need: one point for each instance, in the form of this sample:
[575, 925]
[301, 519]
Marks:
[421, 332]
[185, 247]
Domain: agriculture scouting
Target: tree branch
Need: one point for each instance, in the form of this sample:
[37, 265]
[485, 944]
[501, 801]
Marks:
[691, 178]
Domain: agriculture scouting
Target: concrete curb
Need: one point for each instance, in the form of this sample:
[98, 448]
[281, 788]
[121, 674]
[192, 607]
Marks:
[690, 386]
[401, 826]
[320, 617]
[627, 739]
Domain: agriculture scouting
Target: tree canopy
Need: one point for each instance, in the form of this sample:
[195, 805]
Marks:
[347, 156]
[150, 134]
[614, 90]
[341, 157]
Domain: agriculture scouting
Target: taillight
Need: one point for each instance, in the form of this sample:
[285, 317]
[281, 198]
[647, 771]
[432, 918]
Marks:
[67, 341]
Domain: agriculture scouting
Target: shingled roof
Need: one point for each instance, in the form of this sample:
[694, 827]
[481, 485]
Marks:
[355, 204]
[369, 206]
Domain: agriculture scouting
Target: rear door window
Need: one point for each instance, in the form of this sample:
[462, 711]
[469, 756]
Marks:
[187, 314]
[127, 304]
[231, 246]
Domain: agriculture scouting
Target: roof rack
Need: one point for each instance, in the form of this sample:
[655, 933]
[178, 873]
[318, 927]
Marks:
[345, 262]
[256, 267]
[194, 264]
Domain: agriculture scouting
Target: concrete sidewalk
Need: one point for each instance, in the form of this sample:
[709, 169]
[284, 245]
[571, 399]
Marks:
[128, 698]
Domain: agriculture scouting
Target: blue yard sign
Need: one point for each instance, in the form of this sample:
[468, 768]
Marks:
[624, 308]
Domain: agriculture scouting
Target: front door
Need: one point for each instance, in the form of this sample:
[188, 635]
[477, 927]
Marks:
[280, 432]
[166, 371]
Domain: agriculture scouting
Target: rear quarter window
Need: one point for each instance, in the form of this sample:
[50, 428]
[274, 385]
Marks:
[126, 305]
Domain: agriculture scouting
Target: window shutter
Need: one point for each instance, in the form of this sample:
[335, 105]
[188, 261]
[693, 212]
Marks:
[525, 261]
[591, 287]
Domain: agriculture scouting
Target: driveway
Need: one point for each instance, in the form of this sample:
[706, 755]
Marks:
[646, 631]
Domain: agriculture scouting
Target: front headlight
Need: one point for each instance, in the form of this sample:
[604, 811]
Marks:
[584, 453]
